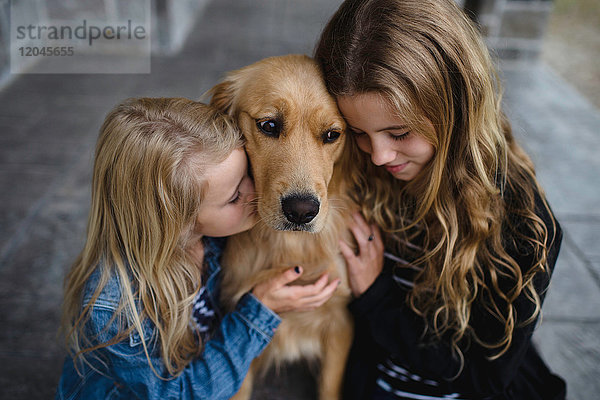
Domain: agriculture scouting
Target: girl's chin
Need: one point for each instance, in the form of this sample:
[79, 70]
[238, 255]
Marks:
[402, 176]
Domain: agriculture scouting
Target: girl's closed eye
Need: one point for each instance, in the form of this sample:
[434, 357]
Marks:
[236, 198]
[401, 136]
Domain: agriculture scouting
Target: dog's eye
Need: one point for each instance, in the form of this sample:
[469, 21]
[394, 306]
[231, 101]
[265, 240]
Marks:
[330, 136]
[269, 127]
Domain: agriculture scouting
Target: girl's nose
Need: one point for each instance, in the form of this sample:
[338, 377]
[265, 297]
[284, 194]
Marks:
[381, 152]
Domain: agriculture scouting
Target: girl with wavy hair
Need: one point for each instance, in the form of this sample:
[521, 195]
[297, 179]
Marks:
[448, 310]
[140, 313]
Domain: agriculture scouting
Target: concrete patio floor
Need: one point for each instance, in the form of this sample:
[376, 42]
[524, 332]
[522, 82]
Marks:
[48, 129]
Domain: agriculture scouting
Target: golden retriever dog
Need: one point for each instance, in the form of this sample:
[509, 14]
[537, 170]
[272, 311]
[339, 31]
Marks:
[294, 139]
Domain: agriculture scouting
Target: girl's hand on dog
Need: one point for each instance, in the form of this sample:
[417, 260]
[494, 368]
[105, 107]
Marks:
[366, 265]
[277, 295]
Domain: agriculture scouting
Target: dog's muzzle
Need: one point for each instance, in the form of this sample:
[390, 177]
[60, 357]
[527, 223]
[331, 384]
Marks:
[300, 209]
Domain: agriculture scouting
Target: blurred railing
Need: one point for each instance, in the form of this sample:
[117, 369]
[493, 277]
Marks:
[513, 28]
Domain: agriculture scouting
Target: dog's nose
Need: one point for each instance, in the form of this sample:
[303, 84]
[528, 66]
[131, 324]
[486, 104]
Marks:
[300, 209]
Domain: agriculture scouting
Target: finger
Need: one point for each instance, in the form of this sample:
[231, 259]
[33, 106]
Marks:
[377, 238]
[316, 303]
[361, 238]
[362, 223]
[319, 284]
[323, 295]
[313, 289]
[347, 252]
[288, 276]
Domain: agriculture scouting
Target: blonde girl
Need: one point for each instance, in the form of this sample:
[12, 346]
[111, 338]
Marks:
[448, 310]
[140, 311]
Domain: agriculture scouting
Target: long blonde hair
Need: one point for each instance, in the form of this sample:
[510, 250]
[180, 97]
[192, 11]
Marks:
[426, 58]
[146, 191]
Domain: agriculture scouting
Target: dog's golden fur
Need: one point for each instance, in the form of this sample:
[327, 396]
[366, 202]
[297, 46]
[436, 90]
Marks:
[290, 90]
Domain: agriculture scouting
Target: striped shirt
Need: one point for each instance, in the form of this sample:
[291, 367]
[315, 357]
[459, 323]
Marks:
[395, 378]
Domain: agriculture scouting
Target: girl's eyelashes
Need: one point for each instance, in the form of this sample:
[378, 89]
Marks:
[394, 136]
[236, 199]
[401, 136]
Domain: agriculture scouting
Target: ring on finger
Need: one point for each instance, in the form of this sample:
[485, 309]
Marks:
[371, 237]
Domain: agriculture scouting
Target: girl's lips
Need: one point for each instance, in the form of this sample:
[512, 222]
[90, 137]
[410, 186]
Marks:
[396, 168]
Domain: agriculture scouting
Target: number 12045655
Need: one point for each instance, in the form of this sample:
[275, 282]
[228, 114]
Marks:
[48, 51]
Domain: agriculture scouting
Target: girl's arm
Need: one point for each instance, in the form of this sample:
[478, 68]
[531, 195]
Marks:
[217, 374]
[221, 368]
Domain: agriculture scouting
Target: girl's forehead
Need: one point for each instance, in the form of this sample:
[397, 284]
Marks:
[370, 107]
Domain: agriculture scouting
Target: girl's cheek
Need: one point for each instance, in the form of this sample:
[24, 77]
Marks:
[247, 185]
[251, 185]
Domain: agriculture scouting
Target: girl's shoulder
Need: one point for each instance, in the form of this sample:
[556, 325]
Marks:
[526, 210]
[102, 321]
[110, 294]
[521, 232]
[512, 195]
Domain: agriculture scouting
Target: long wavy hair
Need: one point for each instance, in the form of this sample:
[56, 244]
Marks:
[428, 61]
[146, 192]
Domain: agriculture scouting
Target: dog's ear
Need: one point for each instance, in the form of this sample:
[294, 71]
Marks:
[221, 96]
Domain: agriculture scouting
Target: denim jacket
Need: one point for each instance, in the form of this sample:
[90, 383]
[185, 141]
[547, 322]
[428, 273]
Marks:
[122, 371]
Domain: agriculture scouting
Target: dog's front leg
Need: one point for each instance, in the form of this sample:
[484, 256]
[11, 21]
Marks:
[336, 347]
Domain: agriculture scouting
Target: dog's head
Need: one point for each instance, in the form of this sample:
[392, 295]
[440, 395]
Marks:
[294, 137]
